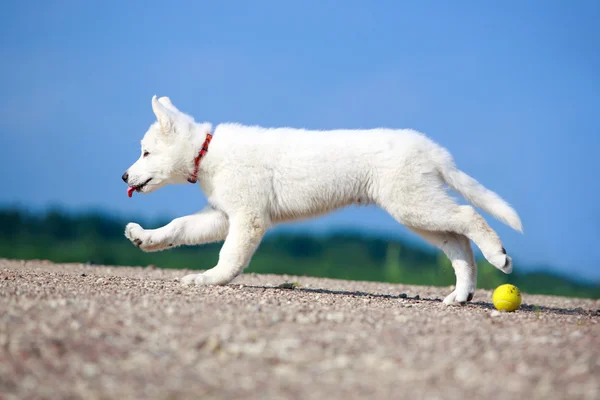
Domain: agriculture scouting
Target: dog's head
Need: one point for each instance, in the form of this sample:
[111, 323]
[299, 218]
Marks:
[168, 149]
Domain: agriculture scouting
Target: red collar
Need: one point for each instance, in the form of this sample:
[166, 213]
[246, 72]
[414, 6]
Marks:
[194, 177]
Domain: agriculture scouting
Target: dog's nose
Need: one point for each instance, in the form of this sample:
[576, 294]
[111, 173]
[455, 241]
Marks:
[125, 177]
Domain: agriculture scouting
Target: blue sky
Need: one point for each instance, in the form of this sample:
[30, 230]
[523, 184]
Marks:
[512, 89]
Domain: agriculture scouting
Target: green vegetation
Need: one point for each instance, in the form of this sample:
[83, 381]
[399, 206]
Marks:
[99, 239]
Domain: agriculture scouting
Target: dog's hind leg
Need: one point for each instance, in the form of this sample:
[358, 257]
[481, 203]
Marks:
[458, 249]
[463, 220]
[246, 230]
[424, 204]
[209, 225]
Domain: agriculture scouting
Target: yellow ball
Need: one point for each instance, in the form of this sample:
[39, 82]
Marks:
[507, 297]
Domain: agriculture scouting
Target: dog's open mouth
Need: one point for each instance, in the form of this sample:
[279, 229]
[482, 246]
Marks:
[137, 188]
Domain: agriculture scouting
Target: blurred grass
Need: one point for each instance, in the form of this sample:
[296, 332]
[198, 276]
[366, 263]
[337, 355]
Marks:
[99, 239]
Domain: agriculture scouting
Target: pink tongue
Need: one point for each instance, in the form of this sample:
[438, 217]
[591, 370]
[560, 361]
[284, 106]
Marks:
[130, 191]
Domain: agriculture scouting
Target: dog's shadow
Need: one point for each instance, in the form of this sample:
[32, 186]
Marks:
[527, 308]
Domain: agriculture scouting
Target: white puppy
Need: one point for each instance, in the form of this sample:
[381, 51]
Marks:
[256, 177]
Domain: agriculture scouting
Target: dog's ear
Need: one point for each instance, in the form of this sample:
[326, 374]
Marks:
[165, 101]
[164, 115]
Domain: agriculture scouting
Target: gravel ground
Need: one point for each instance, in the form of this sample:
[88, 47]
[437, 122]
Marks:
[93, 332]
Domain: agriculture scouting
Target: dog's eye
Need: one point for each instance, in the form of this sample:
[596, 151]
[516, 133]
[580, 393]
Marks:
[146, 153]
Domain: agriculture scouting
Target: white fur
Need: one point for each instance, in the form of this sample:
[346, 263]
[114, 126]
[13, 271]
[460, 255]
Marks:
[256, 177]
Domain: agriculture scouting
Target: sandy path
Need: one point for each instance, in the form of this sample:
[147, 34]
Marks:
[77, 331]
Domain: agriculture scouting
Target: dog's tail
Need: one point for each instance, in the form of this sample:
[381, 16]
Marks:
[477, 194]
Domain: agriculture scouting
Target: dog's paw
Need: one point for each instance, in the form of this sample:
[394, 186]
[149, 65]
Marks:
[135, 233]
[194, 279]
[142, 238]
[458, 298]
[502, 261]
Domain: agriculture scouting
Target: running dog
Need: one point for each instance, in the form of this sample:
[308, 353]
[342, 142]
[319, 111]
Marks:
[255, 177]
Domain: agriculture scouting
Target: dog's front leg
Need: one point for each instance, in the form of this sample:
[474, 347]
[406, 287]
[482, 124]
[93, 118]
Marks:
[207, 226]
[245, 234]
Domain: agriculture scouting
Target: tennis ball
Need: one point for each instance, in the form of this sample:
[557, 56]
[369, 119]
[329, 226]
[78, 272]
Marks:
[507, 297]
